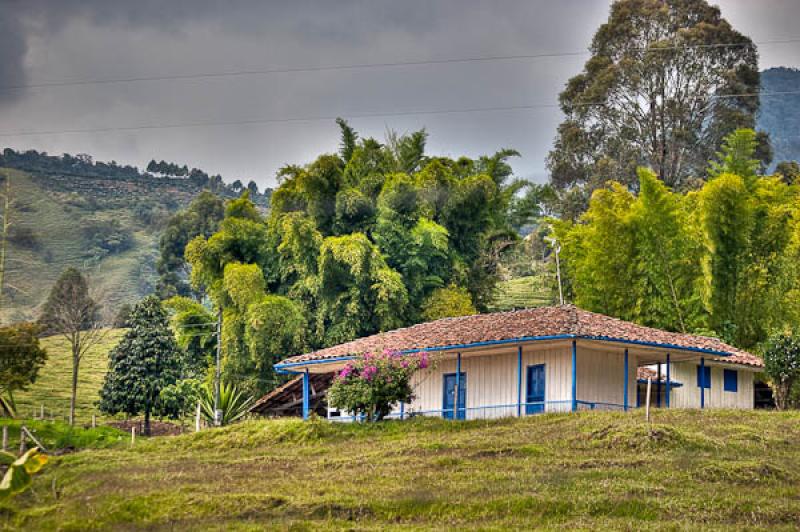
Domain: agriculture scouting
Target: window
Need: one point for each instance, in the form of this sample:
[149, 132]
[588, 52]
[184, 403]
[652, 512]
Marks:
[731, 380]
[704, 376]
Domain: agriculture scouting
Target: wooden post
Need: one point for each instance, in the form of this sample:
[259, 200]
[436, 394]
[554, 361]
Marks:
[197, 418]
[647, 400]
[133, 435]
[41, 409]
[22, 443]
[5, 438]
[94, 421]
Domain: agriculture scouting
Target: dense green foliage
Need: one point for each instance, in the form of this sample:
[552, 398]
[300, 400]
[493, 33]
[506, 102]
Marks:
[145, 361]
[649, 95]
[721, 259]
[356, 243]
[21, 357]
[782, 365]
[200, 218]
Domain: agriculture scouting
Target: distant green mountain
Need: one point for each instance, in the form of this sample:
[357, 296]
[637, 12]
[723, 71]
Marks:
[102, 218]
[780, 115]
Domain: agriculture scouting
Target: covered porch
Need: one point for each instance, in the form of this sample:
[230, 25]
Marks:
[524, 377]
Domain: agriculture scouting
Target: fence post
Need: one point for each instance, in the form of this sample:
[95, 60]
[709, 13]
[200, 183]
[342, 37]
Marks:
[41, 410]
[94, 421]
[647, 400]
[5, 438]
[22, 443]
[133, 435]
[197, 418]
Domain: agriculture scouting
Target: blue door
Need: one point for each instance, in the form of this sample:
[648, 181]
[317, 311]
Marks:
[535, 387]
[449, 399]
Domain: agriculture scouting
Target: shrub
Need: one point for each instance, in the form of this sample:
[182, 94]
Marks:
[369, 385]
[782, 365]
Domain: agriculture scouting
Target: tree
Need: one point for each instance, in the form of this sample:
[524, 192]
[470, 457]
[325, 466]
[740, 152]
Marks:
[72, 313]
[782, 365]
[736, 156]
[201, 218]
[789, 172]
[21, 357]
[146, 361]
[123, 314]
[667, 80]
[448, 302]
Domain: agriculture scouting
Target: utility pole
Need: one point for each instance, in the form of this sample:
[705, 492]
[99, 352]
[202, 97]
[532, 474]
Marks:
[557, 248]
[217, 411]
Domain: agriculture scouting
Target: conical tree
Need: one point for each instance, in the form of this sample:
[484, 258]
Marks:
[145, 361]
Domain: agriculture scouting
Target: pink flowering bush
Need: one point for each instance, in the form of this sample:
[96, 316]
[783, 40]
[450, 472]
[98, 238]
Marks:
[372, 383]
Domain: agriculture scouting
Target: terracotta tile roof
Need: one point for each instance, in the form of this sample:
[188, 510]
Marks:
[565, 320]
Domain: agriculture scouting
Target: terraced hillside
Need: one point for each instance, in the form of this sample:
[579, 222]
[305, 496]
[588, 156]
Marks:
[107, 228]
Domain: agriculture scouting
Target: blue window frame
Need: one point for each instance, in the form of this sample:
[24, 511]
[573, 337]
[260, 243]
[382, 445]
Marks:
[534, 399]
[731, 377]
[704, 376]
[449, 396]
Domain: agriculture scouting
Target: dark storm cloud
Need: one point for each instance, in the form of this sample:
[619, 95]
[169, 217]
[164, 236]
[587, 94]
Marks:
[44, 40]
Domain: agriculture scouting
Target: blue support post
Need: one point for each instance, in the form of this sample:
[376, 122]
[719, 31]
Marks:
[402, 409]
[458, 384]
[669, 386]
[625, 385]
[305, 395]
[519, 381]
[574, 376]
[702, 382]
[658, 386]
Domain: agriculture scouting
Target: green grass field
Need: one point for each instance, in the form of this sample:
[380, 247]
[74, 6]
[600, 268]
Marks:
[523, 292]
[688, 470]
[52, 387]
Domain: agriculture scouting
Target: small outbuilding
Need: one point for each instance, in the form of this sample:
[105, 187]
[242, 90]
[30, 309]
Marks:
[547, 359]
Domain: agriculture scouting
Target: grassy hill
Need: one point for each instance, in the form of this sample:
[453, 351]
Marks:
[594, 470]
[95, 225]
[52, 388]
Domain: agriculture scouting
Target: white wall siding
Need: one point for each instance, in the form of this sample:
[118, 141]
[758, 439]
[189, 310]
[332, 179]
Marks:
[601, 377]
[688, 395]
[492, 389]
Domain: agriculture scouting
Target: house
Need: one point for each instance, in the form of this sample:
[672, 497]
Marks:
[547, 359]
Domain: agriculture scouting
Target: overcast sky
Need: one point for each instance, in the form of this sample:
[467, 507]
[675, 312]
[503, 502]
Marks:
[58, 40]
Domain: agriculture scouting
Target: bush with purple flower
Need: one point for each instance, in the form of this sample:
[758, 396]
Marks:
[371, 384]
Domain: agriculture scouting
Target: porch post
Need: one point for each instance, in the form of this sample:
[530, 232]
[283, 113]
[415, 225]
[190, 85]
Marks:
[669, 386]
[574, 376]
[519, 381]
[402, 409]
[305, 394]
[625, 385]
[658, 386]
[458, 385]
[702, 382]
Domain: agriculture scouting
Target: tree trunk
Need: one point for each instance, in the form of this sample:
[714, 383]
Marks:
[147, 422]
[76, 360]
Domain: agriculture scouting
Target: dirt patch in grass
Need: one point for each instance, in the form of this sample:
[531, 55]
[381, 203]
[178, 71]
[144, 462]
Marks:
[157, 428]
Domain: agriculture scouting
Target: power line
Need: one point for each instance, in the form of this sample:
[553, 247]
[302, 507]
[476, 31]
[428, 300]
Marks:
[255, 121]
[364, 66]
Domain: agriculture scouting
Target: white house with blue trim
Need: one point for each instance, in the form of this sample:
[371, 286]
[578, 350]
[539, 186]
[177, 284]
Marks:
[548, 359]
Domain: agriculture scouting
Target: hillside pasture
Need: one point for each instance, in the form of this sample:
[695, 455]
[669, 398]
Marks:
[52, 388]
[595, 471]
